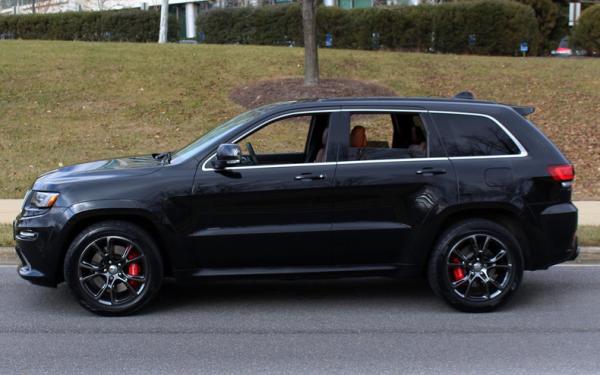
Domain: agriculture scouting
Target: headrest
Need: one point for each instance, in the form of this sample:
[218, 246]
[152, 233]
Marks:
[358, 137]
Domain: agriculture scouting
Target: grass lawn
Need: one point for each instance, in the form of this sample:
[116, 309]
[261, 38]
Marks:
[6, 236]
[69, 102]
[588, 235]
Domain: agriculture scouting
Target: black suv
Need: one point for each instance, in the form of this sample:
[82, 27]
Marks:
[468, 192]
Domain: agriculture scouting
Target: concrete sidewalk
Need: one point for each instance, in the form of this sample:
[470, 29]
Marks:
[589, 211]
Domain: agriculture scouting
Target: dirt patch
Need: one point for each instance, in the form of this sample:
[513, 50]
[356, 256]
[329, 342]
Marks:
[277, 90]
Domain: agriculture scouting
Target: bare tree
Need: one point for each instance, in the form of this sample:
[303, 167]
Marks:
[311, 57]
[164, 21]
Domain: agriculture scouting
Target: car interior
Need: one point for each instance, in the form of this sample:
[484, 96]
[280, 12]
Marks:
[387, 136]
[303, 139]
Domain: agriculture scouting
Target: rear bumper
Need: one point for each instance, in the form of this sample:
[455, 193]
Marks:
[555, 240]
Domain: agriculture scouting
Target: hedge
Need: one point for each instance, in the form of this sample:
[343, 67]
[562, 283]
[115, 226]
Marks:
[122, 26]
[587, 32]
[494, 27]
[547, 14]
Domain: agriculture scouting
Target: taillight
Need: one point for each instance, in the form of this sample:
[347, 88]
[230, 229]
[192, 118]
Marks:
[562, 173]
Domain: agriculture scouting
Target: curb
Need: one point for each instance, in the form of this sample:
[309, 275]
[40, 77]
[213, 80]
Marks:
[587, 255]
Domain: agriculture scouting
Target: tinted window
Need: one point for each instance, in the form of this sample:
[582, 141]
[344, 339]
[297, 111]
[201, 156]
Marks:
[465, 135]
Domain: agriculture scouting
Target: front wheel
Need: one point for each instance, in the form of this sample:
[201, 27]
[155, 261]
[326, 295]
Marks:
[113, 268]
[476, 265]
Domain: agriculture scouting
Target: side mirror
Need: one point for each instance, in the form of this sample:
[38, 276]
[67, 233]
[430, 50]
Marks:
[227, 155]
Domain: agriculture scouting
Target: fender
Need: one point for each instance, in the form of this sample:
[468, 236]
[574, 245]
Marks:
[80, 215]
[424, 241]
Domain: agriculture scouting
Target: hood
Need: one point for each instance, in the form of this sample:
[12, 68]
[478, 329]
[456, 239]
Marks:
[101, 169]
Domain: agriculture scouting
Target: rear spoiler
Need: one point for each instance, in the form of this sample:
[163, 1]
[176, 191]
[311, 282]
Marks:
[523, 110]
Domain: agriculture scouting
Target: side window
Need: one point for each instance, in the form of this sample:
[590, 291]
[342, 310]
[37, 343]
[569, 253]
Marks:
[290, 140]
[375, 136]
[465, 135]
[285, 136]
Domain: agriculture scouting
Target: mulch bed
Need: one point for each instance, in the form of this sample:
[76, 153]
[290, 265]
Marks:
[278, 90]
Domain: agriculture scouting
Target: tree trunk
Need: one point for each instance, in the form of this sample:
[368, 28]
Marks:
[164, 21]
[311, 58]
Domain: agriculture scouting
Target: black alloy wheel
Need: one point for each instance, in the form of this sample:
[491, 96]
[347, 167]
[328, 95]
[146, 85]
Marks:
[476, 265]
[113, 268]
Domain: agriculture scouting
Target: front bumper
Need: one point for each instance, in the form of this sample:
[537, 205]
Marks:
[38, 247]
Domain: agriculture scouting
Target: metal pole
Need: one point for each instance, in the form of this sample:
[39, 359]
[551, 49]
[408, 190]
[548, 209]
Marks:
[164, 24]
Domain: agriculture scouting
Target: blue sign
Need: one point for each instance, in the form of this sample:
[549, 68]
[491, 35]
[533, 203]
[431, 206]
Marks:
[524, 47]
[375, 40]
[472, 39]
[328, 40]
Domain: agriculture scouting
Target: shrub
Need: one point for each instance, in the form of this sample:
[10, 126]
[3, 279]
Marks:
[498, 26]
[122, 26]
[587, 32]
[547, 15]
[495, 27]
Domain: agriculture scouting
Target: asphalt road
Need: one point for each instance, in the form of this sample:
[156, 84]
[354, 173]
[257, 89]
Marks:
[351, 326]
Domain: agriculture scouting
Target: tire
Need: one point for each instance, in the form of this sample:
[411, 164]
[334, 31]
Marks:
[120, 281]
[472, 275]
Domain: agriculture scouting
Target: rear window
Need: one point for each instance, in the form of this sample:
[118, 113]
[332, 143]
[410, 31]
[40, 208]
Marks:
[465, 135]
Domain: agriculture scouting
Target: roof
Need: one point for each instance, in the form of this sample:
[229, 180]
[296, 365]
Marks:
[461, 100]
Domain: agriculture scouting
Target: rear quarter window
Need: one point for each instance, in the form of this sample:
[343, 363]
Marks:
[468, 135]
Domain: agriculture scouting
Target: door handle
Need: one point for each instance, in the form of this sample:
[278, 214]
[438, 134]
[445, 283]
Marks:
[310, 177]
[428, 171]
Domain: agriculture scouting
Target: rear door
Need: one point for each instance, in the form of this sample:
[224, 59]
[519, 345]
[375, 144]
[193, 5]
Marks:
[388, 185]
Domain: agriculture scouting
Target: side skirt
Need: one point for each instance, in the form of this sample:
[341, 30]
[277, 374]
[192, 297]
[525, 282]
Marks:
[364, 270]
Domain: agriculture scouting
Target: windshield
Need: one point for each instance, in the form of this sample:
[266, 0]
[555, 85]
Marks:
[196, 146]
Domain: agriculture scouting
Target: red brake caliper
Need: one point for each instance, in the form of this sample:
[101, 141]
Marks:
[133, 269]
[457, 272]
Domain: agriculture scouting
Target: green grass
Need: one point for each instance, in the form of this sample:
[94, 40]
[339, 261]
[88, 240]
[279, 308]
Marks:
[588, 235]
[69, 102]
[6, 235]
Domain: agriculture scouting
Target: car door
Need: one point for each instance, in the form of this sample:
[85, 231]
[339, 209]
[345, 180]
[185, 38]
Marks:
[275, 213]
[387, 186]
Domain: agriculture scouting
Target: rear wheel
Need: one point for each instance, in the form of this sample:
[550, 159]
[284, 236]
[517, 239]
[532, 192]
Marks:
[113, 268]
[476, 265]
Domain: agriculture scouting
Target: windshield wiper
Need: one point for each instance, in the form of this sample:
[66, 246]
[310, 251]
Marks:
[165, 157]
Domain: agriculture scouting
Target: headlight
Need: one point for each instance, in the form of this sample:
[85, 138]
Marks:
[42, 199]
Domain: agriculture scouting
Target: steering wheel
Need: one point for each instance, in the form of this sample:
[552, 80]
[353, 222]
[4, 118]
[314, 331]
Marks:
[252, 153]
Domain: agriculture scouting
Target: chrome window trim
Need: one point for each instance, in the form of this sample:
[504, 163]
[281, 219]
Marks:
[522, 153]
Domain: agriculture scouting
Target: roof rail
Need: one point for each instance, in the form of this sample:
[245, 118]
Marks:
[464, 95]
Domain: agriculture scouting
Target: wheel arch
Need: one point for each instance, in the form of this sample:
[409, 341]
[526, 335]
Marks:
[142, 218]
[508, 216]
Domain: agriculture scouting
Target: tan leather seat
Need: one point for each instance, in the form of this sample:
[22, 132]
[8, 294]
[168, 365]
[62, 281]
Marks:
[322, 154]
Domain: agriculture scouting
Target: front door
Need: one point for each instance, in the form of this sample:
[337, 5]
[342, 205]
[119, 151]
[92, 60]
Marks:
[392, 174]
[275, 209]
